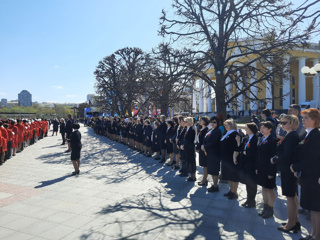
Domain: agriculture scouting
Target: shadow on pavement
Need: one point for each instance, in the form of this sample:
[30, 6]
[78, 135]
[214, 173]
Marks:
[173, 210]
[53, 181]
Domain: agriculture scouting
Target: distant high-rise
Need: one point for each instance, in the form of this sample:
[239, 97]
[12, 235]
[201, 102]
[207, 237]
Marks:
[25, 98]
[4, 102]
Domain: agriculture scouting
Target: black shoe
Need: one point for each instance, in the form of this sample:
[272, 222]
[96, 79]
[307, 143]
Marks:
[250, 205]
[263, 210]
[68, 151]
[268, 213]
[233, 196]
[293, 229]
[190, 179]
[175, 167]
[213, 189]
[169, 164]
[227, 194]
[203, 184]
[74, 173]
[162, 161]
[149, 155]
[78, 172]
[180, 171]
[244, 204]
[157, 158]
[183, 175]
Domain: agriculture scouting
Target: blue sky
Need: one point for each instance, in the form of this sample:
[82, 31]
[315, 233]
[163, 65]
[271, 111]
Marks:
[51, 47]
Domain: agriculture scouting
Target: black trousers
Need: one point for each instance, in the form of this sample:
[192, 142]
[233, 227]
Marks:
[63, 135]
[8, 152]
[251, 192]
[184, 164]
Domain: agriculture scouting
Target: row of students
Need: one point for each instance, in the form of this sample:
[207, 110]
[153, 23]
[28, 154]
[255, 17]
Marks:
[252, 160]
[17, 134]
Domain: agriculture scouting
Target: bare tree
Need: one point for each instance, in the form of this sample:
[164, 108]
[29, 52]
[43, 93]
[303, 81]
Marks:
[244, 41]
[118, 79]
[171, 78]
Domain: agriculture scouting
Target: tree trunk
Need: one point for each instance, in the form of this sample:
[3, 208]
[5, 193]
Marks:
[221, 96]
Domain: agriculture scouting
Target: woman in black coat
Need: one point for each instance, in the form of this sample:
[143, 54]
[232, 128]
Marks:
[55, 124]
[139, 135]
[188, 147]
[284, 159]
[266, 172]
[155, 140]
[162, 131]
[176, 150]
[169, 141]
[229, 167]
[211, 148]
[308, 168]
[204, 122]
[180, 138]
[147, 138]
[248, 160]
[75, 143]
[63, 131]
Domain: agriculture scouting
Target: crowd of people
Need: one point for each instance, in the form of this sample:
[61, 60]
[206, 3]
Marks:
[17, 134]
[289, 145]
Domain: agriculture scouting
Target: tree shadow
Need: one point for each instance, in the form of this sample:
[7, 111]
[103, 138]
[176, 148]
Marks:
[175, 210]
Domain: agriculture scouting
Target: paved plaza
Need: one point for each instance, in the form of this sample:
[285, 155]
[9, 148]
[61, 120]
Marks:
[120, 194]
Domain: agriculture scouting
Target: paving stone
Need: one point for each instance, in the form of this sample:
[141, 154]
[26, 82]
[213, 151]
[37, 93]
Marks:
[121, 194]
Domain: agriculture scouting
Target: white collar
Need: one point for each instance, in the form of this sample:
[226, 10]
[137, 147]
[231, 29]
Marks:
[309, 130]
[227, 134]
[250, 136]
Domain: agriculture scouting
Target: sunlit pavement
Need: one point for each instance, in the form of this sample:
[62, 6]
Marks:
[120, 194]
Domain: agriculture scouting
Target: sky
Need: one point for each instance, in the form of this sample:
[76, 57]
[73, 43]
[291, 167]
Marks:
[52, 47]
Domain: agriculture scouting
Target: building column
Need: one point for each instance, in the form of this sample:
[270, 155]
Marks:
[253, 103]
[229, 89]
[316, 86]
[269, 94]
[208, 98]
[194, 98]
[286, 89]
[240, 97]
[205, 93]
[302, 81]
[200, 95]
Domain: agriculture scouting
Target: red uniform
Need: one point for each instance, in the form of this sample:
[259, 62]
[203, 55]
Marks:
[15, 135]
[0, 141]
[21, 131]
[4, 138]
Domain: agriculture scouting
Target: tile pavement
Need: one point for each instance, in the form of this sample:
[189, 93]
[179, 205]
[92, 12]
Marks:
[119, 195]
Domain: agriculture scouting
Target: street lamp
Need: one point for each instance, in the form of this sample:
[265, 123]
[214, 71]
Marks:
[313, 71]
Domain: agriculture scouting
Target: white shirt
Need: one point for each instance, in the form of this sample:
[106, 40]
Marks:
[209, 132]
[308, 131]
[264, 139]
[227, 134]
[250, 137]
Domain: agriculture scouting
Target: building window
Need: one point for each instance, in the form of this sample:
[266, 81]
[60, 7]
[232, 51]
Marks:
[281, 97]
[293, 96]
[293, 80]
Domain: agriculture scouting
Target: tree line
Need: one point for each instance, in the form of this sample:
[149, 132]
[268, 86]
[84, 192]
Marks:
[245, 42]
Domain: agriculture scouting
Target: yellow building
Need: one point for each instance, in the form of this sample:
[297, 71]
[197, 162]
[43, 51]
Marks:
[297, 89]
